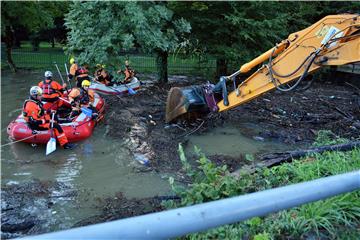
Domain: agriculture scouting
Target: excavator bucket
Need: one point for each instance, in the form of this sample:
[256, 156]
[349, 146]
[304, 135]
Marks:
[184, 102]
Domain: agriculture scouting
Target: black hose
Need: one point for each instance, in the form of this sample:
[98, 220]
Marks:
[293, 72]
[299, 80]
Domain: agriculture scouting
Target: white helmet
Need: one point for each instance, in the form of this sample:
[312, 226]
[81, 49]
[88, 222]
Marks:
[35, 91]
[48, 74]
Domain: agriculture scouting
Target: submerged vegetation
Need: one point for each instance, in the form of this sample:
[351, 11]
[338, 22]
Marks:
[336, 217]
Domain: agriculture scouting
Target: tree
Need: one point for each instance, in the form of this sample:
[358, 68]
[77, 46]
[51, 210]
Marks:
[236, 32]
[32, 16]
[99, 31]
[232, 31]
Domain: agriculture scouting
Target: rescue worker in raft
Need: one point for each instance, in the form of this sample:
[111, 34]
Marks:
[39, 119]
[103, 76]
[82, 97]
[129, 72]
[78, 73]
[73, 68]
[51, 91]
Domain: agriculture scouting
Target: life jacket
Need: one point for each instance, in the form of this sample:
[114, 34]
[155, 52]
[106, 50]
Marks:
[129, 73]
[47, 88]
[102, 75]
[50, 94]
[27, 112]
[81, 72]
[83, 97]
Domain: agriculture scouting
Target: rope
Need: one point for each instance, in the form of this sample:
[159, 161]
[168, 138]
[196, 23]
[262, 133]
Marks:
[35, 133]
[19, 140]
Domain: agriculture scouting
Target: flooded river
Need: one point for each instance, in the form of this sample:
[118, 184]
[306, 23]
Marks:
[99, 167]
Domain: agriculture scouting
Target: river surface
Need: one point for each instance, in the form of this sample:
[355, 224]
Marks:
[100, 166]
[97, 168]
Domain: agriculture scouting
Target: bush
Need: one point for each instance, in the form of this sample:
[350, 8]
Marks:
[329, 218]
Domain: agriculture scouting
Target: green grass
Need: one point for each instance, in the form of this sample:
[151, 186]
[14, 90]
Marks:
[332, 218]
[43, 46]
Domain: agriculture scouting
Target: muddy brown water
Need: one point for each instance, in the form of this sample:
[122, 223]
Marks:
[98, 167]
[231, 141]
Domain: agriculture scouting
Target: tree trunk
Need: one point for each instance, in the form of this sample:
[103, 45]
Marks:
[273, 159]
[52, 42]
[221, 67]
[9, 40]
[162, 66]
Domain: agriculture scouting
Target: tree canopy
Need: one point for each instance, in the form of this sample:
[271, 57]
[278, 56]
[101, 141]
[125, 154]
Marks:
[236, 32]
[33, 16]
[100, 31]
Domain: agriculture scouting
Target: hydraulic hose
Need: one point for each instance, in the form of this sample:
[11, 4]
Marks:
[301, 77]
[293, 72]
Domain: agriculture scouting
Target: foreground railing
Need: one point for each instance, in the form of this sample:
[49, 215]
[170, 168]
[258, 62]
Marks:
[181, 221]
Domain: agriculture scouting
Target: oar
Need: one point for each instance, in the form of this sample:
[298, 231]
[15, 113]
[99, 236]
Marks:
[62, 79]
[51, 144]
[130, 90]
[67, 74]
[87, 111]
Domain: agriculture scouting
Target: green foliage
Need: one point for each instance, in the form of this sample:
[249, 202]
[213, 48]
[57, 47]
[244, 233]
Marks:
[326, 137]
[328, 218]
[238, 31]
[32, 15]
[262, 236]
[100, 30]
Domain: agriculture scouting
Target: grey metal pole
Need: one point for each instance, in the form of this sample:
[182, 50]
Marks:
[181, 221]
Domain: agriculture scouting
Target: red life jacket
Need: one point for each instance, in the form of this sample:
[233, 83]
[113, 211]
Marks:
[81, 71]
[47, 88]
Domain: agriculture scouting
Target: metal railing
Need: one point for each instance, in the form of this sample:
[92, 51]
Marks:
[181, 221]
[27, 58]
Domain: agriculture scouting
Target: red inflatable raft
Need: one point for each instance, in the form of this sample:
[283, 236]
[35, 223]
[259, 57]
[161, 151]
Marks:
[79, 129]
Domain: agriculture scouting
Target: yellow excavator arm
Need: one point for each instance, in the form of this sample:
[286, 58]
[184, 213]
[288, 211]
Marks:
[334, 40]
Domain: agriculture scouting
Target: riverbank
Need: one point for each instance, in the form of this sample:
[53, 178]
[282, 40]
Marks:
[139, 121]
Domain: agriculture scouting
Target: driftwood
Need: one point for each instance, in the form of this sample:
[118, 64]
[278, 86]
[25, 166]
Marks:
[273, 159]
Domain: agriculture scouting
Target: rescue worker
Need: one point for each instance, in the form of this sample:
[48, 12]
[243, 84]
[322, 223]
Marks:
[73, 68]
[82, 73]
[52, 90]
[129, 72]
[82, 97]
[39, 119]
[103, 76]
[78, 73]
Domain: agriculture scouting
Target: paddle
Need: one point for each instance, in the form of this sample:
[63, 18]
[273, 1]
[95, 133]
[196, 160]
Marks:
[51, 144]
[67, 74]
[87, 111]
[130, 90]
[62, 79]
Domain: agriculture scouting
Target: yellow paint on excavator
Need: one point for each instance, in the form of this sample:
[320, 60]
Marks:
[333, 40]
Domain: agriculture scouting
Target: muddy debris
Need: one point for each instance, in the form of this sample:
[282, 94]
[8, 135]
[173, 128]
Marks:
[118, 207]
[291, 118]
[26, 207]
[139, 121]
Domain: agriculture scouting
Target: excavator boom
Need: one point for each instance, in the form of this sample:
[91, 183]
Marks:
[334, 40]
